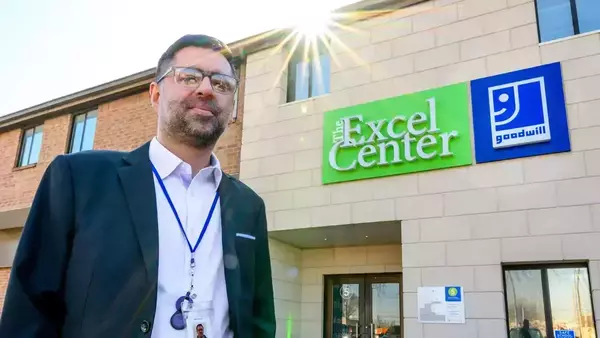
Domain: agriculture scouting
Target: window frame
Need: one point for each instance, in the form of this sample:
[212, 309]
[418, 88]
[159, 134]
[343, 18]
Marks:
[543, 268]
[70, 140]
[574, 19]
[239, 65]
[297, 57]
[21, 148]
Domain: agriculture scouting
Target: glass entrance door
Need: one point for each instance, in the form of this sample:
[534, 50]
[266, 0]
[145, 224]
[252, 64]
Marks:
[363, 306]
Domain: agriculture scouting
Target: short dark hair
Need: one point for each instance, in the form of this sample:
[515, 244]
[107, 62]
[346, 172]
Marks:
[194, 40]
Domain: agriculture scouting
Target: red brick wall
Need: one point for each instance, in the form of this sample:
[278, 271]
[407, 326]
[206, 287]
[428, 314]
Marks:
[4, 274]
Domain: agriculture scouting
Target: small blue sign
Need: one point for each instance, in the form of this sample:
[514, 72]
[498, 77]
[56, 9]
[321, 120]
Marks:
[520, 114]
[453, 294]
[564, 334]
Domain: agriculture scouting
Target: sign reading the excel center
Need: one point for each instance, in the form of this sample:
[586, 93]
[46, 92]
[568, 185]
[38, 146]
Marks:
[405, 134]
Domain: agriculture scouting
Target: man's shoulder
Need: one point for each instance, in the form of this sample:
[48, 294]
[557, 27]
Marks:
[95, 157]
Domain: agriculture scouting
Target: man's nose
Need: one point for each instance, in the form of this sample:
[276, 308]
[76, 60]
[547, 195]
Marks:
[205, 88]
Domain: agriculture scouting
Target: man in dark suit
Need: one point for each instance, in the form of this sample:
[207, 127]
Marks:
[113, 240]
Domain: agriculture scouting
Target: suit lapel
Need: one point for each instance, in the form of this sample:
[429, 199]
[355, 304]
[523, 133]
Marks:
[138, 186]
[230, 260]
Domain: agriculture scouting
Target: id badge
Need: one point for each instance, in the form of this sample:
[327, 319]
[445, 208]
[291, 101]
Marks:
[199, 320]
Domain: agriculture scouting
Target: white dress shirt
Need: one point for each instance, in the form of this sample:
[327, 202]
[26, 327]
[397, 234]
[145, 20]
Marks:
[192, 197]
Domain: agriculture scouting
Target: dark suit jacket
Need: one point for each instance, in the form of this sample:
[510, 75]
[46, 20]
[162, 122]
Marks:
[87, 262]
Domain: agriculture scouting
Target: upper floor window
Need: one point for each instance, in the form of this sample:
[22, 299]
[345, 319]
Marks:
[84, 130]
[309, 72]
[542, 299]
[31, 146]
[237, 93]
[562, 18]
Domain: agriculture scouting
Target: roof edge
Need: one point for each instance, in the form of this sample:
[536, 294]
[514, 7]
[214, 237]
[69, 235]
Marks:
[138, 82]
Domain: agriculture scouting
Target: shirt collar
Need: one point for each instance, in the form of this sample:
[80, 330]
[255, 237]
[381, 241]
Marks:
[166, 162]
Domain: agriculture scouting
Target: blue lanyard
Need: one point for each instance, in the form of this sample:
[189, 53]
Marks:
[212, 208]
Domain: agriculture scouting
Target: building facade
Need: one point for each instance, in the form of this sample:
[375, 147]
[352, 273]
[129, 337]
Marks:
[433, 170]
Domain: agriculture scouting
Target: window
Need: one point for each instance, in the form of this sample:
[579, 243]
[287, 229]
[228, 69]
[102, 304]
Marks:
[31, 145]
[84, 129]
[234, 114]
[308, 73]
[561, 18]
[548, 298]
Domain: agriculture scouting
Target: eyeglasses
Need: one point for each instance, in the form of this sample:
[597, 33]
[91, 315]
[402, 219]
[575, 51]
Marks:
[192, 77]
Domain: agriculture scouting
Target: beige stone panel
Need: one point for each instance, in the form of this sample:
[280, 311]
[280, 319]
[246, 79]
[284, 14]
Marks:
[585, 139]
[592, 162]
[509, 18]
[488, 278]
[262, 83]
[588, 113]
[367, 269]
[572, 48]
[307, 159]
[372, 92]
[524, 36]
[486, 45]
[470, 202]
[513, 60]
[286, 290]
[581, 246]
[312, 328]
[492, 328]
[293, 110]
[384, 254]
[469, 329]
[411, 231]
[471, 8]
[445, 229]
[476, 252]
[584, 89]
[295, 180]
[350, 256]
[411, 279]
[350, 78]
[437, 57]
[262, 184]
[484, 305]
[316, 258]
[581, 67]
[394, 186]
[419, 207]
[312, 311]
[554, 167]
[442, 3]
[391, 30]
[280, 200]
[499, 225]
[578, 191]
[373, 211]
[362, 57]
[528, 196]
[560, 220]
[346, 192]
[456, 275]
[332, 101]
[416, 82]
[351, 40]
[413, 43]
[435, 17]
[461, 72]
[331, 215]
[531, 249]
[512, 3]
[423, 255]
[312, 293]
[392, 68]
[459, 31]
[393, 268]
[412, 328]
[312, 197]
[291, 219]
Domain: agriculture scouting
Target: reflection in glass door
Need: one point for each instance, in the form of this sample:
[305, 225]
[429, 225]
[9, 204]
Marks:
[363, 306]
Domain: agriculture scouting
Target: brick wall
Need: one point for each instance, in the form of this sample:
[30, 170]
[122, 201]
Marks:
[4, 275]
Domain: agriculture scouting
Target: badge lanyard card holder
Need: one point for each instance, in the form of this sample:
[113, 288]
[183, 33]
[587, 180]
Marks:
[193, 316]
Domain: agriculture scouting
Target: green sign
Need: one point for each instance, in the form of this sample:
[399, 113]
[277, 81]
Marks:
[406, 134]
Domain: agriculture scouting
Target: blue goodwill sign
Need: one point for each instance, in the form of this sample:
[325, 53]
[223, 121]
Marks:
[520, 114]
[564, 334]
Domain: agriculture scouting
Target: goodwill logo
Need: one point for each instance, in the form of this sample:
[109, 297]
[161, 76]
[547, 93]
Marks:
[519, 114]
[410, 133]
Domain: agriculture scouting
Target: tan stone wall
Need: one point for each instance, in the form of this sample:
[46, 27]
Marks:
[458, 224]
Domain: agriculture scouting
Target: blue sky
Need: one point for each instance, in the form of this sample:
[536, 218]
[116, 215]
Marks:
[52, 48]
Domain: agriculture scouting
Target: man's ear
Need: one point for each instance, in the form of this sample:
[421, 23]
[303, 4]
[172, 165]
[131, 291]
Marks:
[154, 94]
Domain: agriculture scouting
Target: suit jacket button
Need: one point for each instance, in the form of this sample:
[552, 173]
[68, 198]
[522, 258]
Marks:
[145, 326]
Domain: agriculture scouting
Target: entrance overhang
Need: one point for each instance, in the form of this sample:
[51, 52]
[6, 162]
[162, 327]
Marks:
[378, 233]
[15, 218]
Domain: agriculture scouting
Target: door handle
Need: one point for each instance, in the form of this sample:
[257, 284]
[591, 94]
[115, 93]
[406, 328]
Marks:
[356, 334]
[371, 330]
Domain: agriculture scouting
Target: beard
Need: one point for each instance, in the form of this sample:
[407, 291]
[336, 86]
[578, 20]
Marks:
[198, 131]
